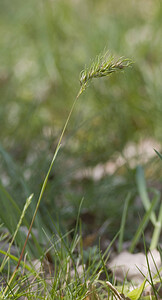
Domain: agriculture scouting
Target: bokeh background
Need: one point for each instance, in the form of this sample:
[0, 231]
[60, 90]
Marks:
[44, 45]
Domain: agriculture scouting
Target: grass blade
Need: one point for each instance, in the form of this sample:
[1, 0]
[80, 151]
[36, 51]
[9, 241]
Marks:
[149, 271]
[157, 230]
[158, 154]
[122, 226]
[28, 201]
[143, 223]
[142, 189]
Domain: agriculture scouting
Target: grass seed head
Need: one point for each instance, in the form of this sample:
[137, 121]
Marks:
[103, 66]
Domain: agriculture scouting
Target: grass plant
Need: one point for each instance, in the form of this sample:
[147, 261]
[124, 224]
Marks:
[69, 279]
[102, 66]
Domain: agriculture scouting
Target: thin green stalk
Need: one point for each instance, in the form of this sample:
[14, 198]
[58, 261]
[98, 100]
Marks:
[157, 223]
[143, 223]
[28, 201]
[122, 226]
[15, 259]
[149, 271]
[158, 154]
[9, 202]
[142, 189]
[157, 230]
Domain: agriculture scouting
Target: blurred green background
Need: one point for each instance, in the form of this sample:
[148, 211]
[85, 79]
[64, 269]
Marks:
[44, 45]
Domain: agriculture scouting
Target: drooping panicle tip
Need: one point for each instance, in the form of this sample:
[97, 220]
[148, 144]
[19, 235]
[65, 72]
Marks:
[102, 66]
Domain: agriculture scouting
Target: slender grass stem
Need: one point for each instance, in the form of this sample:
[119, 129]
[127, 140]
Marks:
[157, 231]
[124, 215]
[141, 184]
[28, 201]
[143, 223]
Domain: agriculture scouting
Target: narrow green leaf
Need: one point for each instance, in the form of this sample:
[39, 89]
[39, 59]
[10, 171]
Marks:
[15, 259]
[158, 154]
[157, 230]
[122, 226]
[142, 189]
[143, 223]
[9, 207]
[136, 293]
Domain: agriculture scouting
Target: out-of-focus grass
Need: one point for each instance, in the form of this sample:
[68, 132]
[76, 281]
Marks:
[43, 46]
